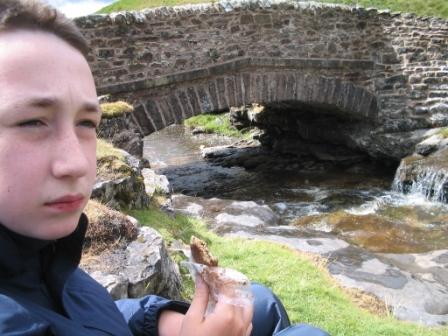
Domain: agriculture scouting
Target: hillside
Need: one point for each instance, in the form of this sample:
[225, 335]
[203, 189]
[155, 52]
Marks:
[437, 8]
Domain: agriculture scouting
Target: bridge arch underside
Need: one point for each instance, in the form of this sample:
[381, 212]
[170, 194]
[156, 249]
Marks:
[301, 109]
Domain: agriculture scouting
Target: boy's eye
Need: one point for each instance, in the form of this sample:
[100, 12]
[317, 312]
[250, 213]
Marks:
[31, 123]
[88, 123]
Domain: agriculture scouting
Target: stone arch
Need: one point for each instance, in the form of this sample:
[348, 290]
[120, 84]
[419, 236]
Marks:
[175, 103]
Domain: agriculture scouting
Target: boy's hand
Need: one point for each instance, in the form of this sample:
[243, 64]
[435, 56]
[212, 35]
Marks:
[226, 319]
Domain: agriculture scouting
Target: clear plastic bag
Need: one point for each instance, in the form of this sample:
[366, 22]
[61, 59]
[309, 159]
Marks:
[225, 284]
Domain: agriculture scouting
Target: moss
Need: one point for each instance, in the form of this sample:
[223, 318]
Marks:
[106, 227]
[111, 163]
[115, 109]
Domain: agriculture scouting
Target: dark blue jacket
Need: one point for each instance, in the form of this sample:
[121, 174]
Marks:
[43, 292]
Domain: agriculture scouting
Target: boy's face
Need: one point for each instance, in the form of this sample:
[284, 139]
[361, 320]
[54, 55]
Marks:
[48, 114]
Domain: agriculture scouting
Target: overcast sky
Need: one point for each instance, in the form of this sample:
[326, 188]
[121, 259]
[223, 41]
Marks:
[73, 8]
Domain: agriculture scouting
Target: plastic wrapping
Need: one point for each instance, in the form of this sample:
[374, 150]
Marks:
[225, 284]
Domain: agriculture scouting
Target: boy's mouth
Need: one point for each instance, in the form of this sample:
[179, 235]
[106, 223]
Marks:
[66, 203]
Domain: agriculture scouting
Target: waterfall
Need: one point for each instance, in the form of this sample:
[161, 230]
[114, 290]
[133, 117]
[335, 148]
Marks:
[428, 181]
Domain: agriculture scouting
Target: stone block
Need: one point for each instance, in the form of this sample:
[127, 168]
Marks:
[262, 19]
[213, 95]
[230, 90]
[264, 90]
[246, 89]
[175, 108]
[185, 103]
[221, 86]
[246, 19]
[194, 101]
[142, 120]
[280, 78]
[239, 100]
[156, 115]
[165, 109]
[204, 100]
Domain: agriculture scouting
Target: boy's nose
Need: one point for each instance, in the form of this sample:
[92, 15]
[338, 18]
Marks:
[70, 159]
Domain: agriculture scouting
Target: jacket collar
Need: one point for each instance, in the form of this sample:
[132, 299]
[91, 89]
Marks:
[64, 254]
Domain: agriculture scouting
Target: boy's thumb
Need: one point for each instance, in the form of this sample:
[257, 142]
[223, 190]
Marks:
[198, 306]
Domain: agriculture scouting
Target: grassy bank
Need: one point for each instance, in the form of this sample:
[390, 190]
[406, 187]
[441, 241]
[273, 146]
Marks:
[308, 292]
[215, 123]
[437, 8]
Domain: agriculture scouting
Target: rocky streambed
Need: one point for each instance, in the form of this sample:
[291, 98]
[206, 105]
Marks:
[386, 243]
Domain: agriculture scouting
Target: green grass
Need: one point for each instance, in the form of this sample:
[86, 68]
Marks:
[444, 132]
[123, 5]
[105, 149]
[215, 123]
[437, 8]
[308, 292]
[115, 109]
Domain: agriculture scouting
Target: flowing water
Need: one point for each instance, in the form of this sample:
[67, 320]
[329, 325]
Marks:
[356, 204]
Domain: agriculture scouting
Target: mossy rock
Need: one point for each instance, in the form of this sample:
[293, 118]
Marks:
[115, 109]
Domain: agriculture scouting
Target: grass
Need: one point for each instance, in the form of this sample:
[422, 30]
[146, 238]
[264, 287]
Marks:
[105, 149]
[115, 109]
[215, 123]
[444, 132]
[438, 8]
[309, 293]
[123, 5]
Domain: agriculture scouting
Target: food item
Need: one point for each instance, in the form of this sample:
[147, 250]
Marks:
[200, 253]
[222, 281]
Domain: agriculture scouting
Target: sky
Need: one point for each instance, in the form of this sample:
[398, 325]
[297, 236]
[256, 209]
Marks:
[74, 8]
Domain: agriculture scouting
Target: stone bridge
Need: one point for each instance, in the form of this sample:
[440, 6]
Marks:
[373, 80]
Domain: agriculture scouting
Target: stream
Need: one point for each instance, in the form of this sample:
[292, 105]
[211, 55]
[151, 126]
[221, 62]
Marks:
[378, 240]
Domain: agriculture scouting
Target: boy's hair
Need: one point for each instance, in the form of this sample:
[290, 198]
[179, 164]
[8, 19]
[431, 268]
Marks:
[34, 15]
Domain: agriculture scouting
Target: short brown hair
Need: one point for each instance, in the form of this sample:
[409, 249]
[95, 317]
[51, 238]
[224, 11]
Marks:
[34, 15]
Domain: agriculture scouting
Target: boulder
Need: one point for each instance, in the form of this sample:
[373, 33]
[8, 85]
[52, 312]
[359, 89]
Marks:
[143, 267]
[127, 191]
[122, 133]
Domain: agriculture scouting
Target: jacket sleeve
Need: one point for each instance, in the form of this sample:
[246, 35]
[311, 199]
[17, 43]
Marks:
[142, 314]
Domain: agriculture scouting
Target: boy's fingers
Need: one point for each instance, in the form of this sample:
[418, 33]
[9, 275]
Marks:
[200, 300]
[249, 330]
[248, 312]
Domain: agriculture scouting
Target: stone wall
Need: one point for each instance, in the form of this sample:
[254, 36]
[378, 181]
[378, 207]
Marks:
[145, 56]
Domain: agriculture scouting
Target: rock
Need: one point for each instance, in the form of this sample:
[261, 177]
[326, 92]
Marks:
[224, 215]
[129, 141]
[439, 108]
[429, 145]
[149, 268]
[155, 183]
[143, 267]
[128, 192]
[122, 133]
[116, 285]
[123, 193]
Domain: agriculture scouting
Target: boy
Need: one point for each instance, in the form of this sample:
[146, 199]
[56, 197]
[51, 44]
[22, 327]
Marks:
[48, 118]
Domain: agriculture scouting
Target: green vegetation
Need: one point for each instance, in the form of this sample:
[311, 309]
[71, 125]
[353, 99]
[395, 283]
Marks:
[437, 8]
[122, 5]
[111, 163]
[215, 123]
[444, 132]
[421, 7]
[105, 149]
[115, 109]
[309, 294]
